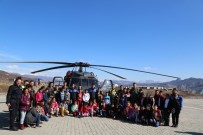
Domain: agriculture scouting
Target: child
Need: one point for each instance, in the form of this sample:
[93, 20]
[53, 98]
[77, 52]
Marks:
[24, 106]
[156, 116]
[122, 103]
[95, 107]
[129, 111]
[91, 109]
[42, 113]
[54, 108]
[79, 99]
[103, 111]
[85, 112]
[142, 115]
[100, 100]
[107, 101]
[136, 113]
[64, 108]
[86, 97]
[148, 114]
[74, 109]
[39, 95]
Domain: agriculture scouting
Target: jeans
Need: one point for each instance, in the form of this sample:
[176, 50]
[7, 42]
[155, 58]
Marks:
[22, 116]
[44, 118]
[37, 120]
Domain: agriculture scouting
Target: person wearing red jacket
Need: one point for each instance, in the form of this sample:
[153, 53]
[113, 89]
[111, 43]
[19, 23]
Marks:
[24, 106]
[79, 99]
[39, 95]
[95, 107]
[156, 116]
[85, 112]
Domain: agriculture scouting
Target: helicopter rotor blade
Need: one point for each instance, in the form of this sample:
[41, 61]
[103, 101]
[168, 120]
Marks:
[108, 72]
[51, 68]
[135, 70]
[42, 62]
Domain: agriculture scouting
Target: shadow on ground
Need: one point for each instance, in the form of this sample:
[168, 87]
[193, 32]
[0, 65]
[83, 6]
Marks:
[4, 120]
[190, 133]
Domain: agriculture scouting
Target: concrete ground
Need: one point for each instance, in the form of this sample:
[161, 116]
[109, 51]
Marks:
[191, 123]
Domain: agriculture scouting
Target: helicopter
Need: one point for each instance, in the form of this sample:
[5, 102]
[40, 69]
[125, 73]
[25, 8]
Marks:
[84, 78]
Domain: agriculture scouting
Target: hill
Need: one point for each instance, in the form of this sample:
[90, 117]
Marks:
[192, 85]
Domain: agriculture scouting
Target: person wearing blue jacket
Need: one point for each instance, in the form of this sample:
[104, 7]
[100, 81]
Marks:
[175, 104]
[92, 91]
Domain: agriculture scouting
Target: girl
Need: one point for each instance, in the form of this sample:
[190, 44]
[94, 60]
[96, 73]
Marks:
[91, 109]
[100, 99]
[107, 101]
[24, 106]
[39, 95]
[85, 111]
[54, 108]
[136, 112]
[79, 99]
[86, 97]
[156, 116]
[103, 111]
[95, 107]
[64, 108]
[74, 109]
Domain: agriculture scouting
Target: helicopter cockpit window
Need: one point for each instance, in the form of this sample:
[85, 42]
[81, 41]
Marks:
[91, 81]
[84, 82]
[76, 81]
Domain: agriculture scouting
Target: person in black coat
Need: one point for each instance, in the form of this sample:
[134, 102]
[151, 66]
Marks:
[175, 105]
[13, 99]
[134, 94]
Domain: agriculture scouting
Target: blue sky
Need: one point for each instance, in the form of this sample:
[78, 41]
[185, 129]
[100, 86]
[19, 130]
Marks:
[157, 36]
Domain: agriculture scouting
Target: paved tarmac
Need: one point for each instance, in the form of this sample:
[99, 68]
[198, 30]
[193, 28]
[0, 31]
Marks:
[191, 123]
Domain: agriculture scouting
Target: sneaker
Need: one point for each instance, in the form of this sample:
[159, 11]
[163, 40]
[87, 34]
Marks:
[22, 127]
[173, 126]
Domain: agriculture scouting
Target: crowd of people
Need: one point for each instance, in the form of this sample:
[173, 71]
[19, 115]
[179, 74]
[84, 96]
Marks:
[31, 102]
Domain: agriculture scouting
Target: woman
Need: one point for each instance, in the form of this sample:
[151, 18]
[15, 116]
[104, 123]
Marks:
[24, 106]
[54, 108]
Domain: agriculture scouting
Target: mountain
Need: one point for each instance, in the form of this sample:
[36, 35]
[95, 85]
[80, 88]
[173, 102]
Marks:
[192, 85]
[7, 77]
[45, 78]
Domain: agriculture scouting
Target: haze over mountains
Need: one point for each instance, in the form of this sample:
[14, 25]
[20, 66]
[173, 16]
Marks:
[193, 85]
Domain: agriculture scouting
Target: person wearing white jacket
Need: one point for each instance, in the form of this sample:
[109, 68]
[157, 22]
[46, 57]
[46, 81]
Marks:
[86, 97]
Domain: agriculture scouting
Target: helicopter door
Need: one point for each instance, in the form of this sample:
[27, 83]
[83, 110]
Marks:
[107, 86]
[58, 81]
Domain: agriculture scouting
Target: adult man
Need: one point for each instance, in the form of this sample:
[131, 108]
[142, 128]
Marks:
[175, 104]
[166, 112]
[13, 99]
[120, 91]
[113, 95]
[134, 94]
[92, 91]
[73, 93]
